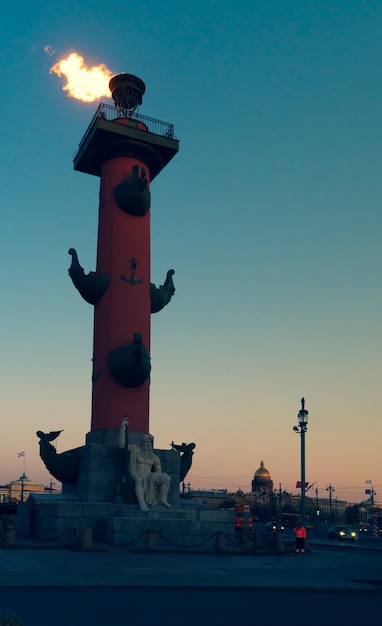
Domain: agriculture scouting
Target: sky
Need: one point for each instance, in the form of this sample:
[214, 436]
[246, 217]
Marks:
[270, 215]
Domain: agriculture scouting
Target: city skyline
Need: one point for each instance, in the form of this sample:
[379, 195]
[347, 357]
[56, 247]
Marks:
[270, 216]
[349, 493]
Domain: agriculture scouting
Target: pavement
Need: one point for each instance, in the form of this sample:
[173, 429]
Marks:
[323, 568]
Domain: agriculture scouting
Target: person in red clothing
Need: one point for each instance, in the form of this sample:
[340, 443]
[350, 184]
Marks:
[300, 533]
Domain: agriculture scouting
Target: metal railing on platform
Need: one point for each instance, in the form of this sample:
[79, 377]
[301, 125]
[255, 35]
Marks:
[111, 113]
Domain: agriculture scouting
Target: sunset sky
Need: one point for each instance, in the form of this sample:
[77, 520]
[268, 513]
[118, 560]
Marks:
[270, 215]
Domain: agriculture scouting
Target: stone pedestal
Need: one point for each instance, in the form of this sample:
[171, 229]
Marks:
[54, 518]
[180, 528]
[92, 510]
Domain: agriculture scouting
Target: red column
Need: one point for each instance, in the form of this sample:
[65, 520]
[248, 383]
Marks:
[125, 308]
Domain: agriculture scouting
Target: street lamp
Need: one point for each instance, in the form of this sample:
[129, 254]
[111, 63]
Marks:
[374, 514]
[22, 487]
[302, 428]
[331, 490]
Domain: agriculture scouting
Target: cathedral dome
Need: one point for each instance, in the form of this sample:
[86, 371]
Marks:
[262, 481]
[262, 472]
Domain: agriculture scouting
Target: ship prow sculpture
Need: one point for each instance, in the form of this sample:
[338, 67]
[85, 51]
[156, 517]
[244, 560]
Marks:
[65, 466]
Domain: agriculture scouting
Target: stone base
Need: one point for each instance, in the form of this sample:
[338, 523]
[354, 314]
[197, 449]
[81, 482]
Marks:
[51, 518]
[169, 530]
[103, 464]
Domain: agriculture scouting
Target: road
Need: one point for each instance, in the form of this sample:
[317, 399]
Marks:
[335, 583]
[187, 607]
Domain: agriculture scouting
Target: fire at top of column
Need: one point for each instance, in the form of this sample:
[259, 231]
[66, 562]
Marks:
[108, 134]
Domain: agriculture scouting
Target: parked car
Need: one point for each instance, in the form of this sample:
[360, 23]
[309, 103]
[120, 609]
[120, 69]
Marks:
[341, 531]
[275, 526]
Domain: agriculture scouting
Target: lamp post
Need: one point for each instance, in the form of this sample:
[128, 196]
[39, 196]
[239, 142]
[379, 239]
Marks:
[374, 515]
[22, 488]
[331, 490]
[302, 428]
[280, 497]
[317, 509]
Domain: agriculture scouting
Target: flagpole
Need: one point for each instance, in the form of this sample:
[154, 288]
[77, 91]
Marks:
[23, 475]
[23, 455]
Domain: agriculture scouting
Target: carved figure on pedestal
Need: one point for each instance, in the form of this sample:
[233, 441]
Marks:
[145, 470]
[186, 457]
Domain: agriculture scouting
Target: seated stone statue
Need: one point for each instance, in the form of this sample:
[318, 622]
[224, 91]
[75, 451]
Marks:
[151, 484]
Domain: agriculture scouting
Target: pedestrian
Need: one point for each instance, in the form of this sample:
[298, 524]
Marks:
[300, 532]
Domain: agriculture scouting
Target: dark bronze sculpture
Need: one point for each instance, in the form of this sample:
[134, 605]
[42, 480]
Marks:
[130, 365]
[186, 457]
[133, 195]
[65, 466]
[132, 280]
[160, 296]
[91, 286]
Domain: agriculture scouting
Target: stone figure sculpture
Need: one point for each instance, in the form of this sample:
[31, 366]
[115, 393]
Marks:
[145, 470]
[186, 457]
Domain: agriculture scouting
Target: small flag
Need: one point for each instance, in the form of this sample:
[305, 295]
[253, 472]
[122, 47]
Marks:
[368, 482]
[298, 485]
[21, 454]
[368, 491]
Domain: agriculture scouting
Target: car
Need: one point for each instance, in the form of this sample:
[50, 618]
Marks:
[275, 526]
[341, 531]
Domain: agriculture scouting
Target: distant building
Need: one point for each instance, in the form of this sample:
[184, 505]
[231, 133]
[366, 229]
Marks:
[214, 498]
[262, 482]
[19, 490]
[4, 493]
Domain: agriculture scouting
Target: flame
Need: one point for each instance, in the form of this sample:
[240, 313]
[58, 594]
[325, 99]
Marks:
[83, 83]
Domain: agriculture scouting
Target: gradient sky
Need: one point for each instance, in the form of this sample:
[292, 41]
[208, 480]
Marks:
[270, 215]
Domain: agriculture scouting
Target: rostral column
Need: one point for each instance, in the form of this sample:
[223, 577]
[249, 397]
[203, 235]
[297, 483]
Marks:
[127, 151]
